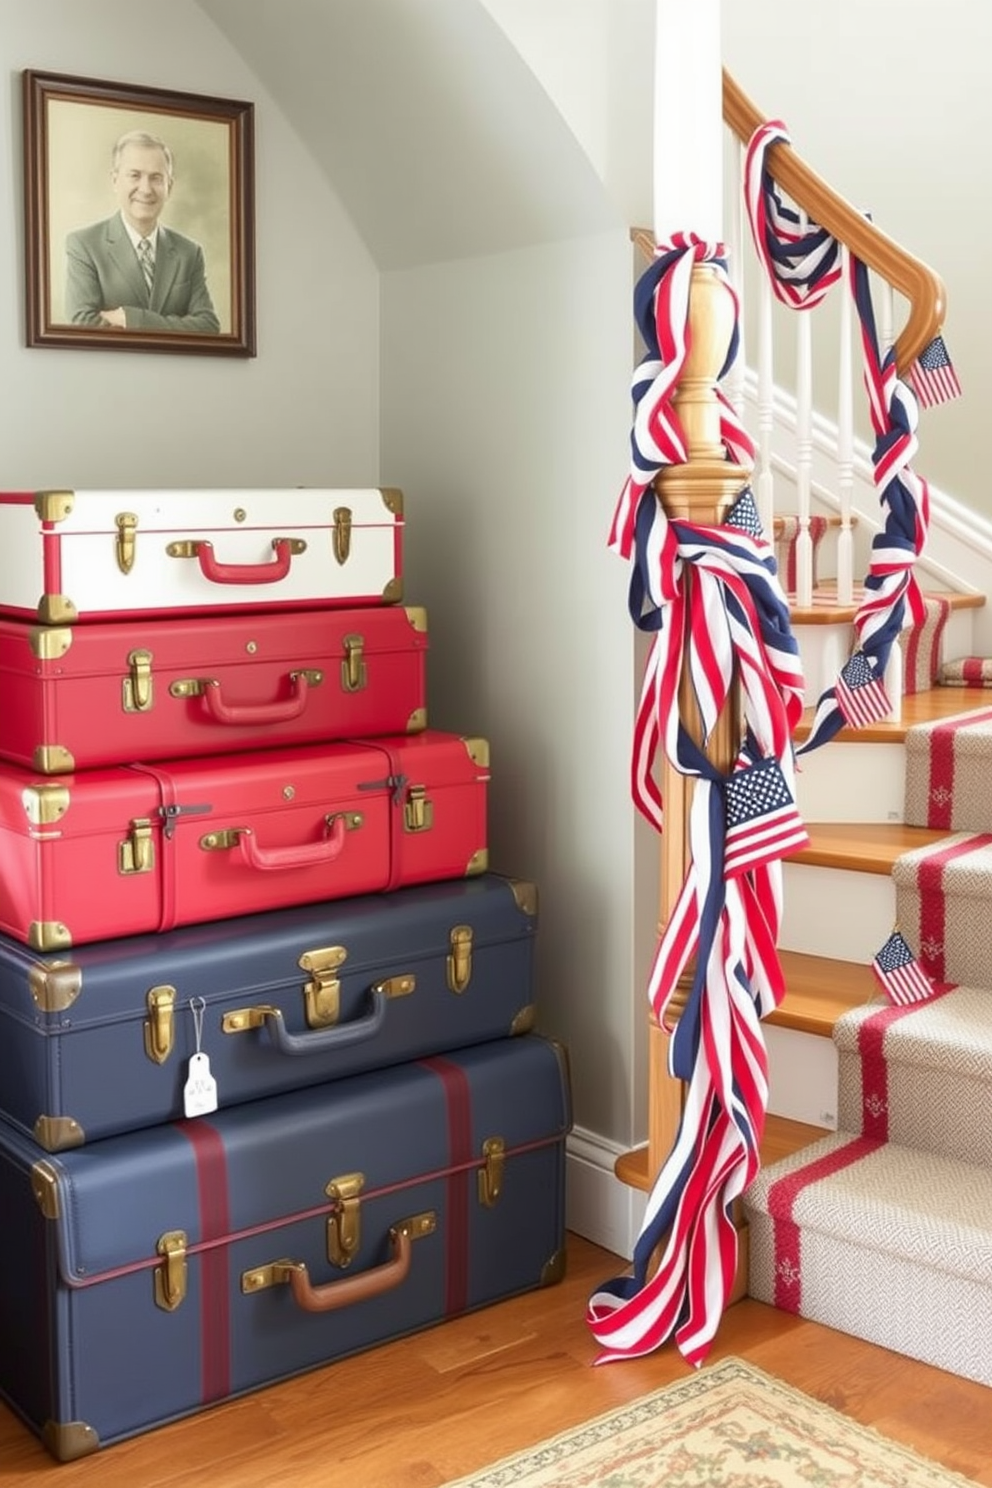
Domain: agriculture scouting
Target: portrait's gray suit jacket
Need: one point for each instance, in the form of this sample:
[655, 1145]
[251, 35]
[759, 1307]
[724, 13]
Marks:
[103, 272]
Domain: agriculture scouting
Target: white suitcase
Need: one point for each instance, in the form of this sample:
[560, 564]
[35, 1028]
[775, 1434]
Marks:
[68, 556]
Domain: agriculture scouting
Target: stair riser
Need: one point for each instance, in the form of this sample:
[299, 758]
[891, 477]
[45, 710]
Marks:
[896, 1303]
[836, 912]
[935, 1111]
[802, 1076]
[850, 782]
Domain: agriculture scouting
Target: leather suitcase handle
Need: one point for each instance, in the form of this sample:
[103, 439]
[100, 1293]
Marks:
[307, 855]
[318, 1040]
[245, 573]
[352, 1289]
[236, 714]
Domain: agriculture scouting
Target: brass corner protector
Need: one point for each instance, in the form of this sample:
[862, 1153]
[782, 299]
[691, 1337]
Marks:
[417, 616]
[69, 1440]
[45, 803]
[48, 935]
[52, 759]
[392, 499]
[55, 985]
[477, 863]
[525, 1021]
[54, 506]
[45, 1187]
[478, 752]
[49, 642]
[393, 591]
[525, 895]
[417, 721]
[58, 1133]
[553, 1269]
[56, 609]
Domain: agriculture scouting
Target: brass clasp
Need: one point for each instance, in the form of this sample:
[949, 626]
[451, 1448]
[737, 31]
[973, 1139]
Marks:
[418, 812]
[322, 994]
[491, 1173]
[344, 1227]
[160, 1024]
[170, 1277]
[136, 854]
[459, 962]
[341, 533]
[353, 671]
[137, 686]
[127, 527]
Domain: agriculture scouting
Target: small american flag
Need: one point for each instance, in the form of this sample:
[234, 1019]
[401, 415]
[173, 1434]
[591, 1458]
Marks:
[744, 515]
[933, 378]
[861, 696]
[901, 975]
[763, 823]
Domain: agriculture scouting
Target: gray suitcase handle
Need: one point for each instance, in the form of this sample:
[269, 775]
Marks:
[319, 1040]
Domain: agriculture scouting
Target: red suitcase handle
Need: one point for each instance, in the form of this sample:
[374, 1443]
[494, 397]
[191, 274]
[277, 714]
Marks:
[307, 855]
[235, 714]
[352, 1289]
[244, 573]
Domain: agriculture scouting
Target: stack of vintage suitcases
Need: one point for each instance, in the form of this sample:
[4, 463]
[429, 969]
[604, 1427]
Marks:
[269, 1087]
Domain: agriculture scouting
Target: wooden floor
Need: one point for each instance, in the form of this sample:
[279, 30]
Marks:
[415, 1413]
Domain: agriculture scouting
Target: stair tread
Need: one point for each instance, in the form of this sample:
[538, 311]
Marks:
[917, 707]
[865, 847]
[826, 611]
[819, 990]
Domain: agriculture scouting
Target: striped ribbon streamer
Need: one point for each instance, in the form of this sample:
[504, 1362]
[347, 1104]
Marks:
[801, 266]
[729, 625]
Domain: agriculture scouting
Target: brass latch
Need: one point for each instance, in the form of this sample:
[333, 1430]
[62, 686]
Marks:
[136, 854]
[396, 986]
[418, 813]
[322, 994]
[353, 673]
[170, 1277]
[491, 1173]
[127, 527]
[160, 1023]
[459, 963]
[341, 533]
[137, 686]
[344, 1226]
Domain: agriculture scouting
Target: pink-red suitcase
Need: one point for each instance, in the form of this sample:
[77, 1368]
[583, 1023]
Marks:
[79, 696]
[68, 556]
[127, 849]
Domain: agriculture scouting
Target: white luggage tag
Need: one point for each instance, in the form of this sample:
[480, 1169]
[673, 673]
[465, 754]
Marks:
[200, 1090]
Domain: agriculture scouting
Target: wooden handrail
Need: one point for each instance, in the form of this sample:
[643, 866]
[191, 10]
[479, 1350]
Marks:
[923, 288]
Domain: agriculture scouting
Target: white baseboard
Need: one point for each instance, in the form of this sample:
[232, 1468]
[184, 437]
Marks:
[598, 1206]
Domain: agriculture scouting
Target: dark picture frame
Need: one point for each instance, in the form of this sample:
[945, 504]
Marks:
[72, 194]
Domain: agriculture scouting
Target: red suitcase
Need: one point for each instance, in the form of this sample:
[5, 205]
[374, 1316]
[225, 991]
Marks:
[80, 696]
[134, 848]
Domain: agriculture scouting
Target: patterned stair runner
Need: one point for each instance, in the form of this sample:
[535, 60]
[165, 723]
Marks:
[921, 646]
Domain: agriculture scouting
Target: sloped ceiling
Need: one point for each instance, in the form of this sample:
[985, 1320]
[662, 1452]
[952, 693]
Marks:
[439, 141]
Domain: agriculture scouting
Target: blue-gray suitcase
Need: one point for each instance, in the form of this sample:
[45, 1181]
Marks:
[99, 1040]
[151, 1275]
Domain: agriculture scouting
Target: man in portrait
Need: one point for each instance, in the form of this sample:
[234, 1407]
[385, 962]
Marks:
[130, 272]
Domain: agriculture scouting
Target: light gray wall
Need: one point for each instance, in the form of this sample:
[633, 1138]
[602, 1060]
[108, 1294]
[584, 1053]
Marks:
[306, 410]
[889, 101]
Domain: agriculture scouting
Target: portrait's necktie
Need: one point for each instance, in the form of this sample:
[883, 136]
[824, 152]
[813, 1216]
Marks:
[146, 261]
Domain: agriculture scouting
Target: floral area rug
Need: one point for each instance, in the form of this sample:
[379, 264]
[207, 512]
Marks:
[726, 1426]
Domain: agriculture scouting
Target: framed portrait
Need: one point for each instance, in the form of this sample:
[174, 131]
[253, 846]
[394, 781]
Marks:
[139, 218]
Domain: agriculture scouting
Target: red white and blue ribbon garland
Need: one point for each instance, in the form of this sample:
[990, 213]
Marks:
[731, 623]
[801, 268]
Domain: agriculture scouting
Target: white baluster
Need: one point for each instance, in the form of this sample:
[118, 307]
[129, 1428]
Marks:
[804, 456]
[845, 447]
[764, 493]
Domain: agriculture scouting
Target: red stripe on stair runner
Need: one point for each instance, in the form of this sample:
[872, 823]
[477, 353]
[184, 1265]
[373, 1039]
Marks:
[874, 1066]
[458, 1099]
[940, 789]
[782, 1197]
[215, 1224]
[933, 905]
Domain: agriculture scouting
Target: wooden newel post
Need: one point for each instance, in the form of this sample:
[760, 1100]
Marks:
[701, 491]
